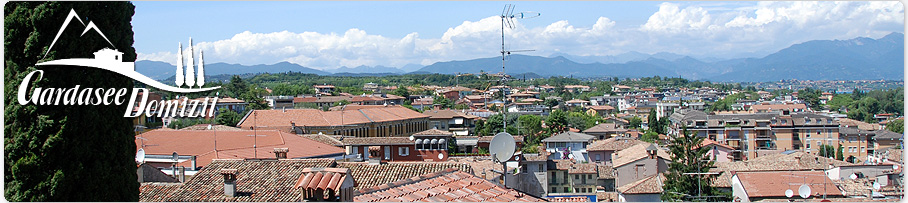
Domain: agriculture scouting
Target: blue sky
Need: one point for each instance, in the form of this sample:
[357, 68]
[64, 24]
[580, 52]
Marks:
[327, 35]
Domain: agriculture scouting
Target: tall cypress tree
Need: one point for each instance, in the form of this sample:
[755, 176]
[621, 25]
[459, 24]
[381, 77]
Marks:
[679, 186]
[67, 152]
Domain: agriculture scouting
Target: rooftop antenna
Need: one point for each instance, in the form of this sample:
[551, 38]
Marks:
[507, 20]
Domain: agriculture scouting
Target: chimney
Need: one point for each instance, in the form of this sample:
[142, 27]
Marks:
[182, 174]
[192, 163]
[229, 181]
[281, 153]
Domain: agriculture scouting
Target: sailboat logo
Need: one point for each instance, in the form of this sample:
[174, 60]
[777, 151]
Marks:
[112, 60]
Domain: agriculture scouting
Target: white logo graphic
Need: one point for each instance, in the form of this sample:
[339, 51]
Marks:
[112, 60]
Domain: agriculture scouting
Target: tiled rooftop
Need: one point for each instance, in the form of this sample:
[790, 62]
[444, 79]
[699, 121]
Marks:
[648, 185]
[324, 139]
[447, 114]
[450, 185]
[635, 153]
[213, 127]
[230, 144]
[612, 144]
[367, 175]
[377, 141]
[604, 128]
[606, 172]
[313, 117]
[433, 132]
[774, 183]
[588, 168]
[257, 181]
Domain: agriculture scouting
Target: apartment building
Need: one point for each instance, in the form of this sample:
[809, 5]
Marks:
[757, 134]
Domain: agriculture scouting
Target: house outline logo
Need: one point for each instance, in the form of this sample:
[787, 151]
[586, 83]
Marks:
[112, 60]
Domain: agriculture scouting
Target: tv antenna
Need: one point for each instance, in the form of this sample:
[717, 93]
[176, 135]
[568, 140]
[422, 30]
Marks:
[502, 148]
[507, 20]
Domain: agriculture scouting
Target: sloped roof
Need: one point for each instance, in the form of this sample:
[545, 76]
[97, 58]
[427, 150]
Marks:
[434, 132]
[612, 144]
[774, 183]
[367, 176]
[635, 153]
[257, 181]
[322, 178]
[606, 172]
[847, 122]
[236, 144]
[886, 134]
[707, 142]
[569, 137]
[313, 117]
[794, 161]
[604, 128]
[601, 108]
[450, 185]
[648, 185]
[156, 191]
[579, 168]
[213, 127]
[325, 139]
[377, 141]
[447, 114]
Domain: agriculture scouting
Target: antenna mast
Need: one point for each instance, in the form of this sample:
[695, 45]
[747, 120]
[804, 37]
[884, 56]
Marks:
[507, 20]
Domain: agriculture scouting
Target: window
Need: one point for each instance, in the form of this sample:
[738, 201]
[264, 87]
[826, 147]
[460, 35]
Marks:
[387, 152]
[403, 151]
[808, 145]
[566, 189]
[354, 150]
[598, 157]
[540, 167]
[576, 177]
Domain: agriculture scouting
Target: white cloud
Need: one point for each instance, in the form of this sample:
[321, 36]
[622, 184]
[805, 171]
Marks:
[697, 30]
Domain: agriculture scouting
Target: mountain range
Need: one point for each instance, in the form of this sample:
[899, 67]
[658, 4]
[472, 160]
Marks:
[853, 59]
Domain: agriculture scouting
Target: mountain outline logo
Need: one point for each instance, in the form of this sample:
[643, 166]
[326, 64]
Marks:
[112, 60]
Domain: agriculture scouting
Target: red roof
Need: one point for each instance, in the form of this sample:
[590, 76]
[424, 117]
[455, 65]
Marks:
[230, 144]
[322, 178]
[774, 183]
[314, 117]
[707, 142]
[450, 185]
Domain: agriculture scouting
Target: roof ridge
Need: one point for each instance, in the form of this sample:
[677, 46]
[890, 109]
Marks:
[407, 181]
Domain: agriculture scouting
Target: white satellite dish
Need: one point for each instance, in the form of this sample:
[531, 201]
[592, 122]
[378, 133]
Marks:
[895, 167]
[853, 176]
[412, 138]
[502, 147]
[176, 157]
[876, 185]
[441, 156]
[804, 191]
[140, 156]
[789, 193]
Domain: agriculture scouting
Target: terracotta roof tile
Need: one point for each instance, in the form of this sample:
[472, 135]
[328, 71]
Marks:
[606, 172]
[313, 117]
[149, 192]
[433, 132]
[774, 183]
[367, 175]
[708, 142]
[257, 181]
[613, 144]
[427, 188]
[588, 168]
[648, 185]
[325, 139]
[635, 153]
[230, 144]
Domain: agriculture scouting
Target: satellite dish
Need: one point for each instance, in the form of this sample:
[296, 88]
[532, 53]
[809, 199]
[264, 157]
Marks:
[853, 176]
[140, 156]
[804, 191]
[411, 138]
[502, 146]
[209, 126]
[789, 193]
[895, 167]
[176, 156]
[876, 185]
[441, 156]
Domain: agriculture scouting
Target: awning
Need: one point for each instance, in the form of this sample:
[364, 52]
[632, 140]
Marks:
[418, 141]
[434, 141]
[441, 141]
[466, 142]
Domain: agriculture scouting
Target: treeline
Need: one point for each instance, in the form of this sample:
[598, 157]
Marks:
[864, 105]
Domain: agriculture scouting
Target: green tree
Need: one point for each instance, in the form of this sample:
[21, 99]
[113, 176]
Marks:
[66, 152]
[634, 122]
[679, 186]
[827, 151]
[839, 153]
[650, 137]
[556, 122]
[530, 126]
[228, 117]
[236, 87]
[897, 125]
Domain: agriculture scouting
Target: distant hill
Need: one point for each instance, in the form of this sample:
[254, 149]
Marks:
[859, 58]
[160, 70]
